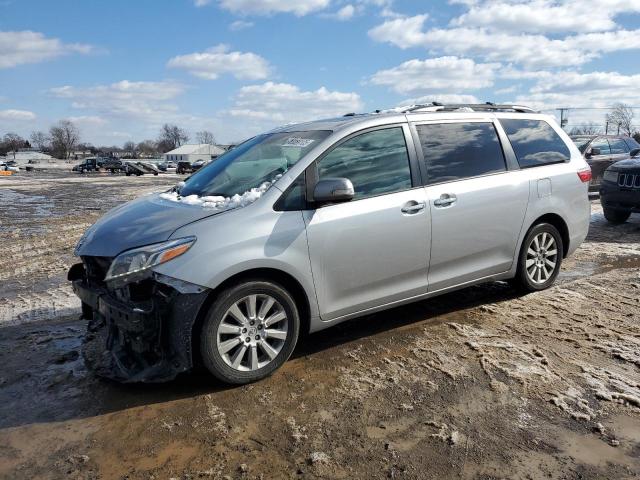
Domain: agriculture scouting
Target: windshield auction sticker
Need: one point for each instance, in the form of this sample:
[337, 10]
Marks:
[297, 142]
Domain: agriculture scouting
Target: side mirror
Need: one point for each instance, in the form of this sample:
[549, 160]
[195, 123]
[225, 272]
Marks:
[333, 190]
[634, 152]
[593, 151]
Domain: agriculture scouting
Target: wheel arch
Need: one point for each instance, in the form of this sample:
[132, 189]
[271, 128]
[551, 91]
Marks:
[286, 280]
[560, 224]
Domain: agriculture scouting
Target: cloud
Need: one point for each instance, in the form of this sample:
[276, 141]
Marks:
[278, 103]
[17, 115]
[532, 51]
[218, 60]
[147, 101]
[268, 7]
[201, 3]
[88, 120]
[443, 74]
[545, 16]
[23, 47]
[240, 25]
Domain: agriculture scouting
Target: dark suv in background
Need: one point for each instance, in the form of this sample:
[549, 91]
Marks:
[601, 151]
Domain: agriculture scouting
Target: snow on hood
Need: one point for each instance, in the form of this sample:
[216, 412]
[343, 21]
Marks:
[220, 203]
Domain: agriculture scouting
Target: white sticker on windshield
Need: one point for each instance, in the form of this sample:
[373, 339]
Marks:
[297, 142]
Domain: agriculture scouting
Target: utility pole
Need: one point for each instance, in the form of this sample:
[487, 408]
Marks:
[563, 121]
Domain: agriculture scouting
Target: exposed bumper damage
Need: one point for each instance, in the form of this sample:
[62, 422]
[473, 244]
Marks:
[140, 332]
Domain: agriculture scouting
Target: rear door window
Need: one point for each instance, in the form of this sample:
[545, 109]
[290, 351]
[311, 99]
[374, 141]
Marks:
[535, 142]
[454, 151]
[618, 146]
[601, 144]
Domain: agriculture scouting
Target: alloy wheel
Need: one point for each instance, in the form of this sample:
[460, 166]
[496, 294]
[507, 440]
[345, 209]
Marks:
[252, 332]
[542, 258]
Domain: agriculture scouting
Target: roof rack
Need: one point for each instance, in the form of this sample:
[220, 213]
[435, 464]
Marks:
[476, 107]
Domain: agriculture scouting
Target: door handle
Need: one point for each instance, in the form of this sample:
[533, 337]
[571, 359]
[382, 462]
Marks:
[445, 200]
[412, 207]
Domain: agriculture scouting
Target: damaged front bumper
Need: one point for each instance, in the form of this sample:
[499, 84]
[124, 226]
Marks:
[140, 332]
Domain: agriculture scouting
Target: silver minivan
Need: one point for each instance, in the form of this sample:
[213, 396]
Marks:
[312, 224]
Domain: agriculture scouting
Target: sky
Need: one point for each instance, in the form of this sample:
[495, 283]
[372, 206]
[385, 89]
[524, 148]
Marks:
[120, 69]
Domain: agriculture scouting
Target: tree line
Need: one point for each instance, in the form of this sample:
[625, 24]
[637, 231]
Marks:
[619, 122]
[64, 138]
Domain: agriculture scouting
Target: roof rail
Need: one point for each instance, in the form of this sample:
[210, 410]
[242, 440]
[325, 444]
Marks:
[476, 107]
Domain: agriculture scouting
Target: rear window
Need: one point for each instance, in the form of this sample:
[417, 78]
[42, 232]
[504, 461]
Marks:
[454, 151]
[535, 143]
[632, 143]
[618, 146]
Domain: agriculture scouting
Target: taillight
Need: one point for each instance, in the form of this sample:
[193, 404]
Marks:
[585, 175]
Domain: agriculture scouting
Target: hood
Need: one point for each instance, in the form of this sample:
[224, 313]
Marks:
[629, 163]
[149, 219]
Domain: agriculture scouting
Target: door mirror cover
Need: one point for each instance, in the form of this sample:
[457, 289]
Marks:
[634, 152]
[333, 190]
[594, 151]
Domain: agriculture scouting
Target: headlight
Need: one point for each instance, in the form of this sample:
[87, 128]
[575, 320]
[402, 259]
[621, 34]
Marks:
[136, 264]
[610, 176]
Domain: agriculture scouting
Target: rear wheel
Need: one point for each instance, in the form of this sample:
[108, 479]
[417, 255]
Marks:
[540, 258]
[615, 216]
[249, 332]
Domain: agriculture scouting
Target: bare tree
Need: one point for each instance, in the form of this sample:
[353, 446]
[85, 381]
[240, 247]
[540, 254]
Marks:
[591, 128]
[12, 142]
[621, 116]
[172, 136]
[130, 148]
[64, 137]
[40, 140]
[147, 147]
[205, 136]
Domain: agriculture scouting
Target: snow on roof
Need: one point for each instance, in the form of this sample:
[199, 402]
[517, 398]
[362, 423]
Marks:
[197, 148]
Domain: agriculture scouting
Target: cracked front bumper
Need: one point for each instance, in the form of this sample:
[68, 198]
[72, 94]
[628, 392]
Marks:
[142, 335]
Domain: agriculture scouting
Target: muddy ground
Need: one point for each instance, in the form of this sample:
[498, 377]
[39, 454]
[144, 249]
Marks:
[481, 383]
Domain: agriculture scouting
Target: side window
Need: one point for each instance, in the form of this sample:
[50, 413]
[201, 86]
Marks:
[618, 146]
[453, 151]
[376, 163]
[535, 142]
[601, 144]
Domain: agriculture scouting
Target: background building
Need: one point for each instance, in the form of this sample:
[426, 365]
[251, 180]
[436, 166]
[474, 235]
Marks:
[193, 152]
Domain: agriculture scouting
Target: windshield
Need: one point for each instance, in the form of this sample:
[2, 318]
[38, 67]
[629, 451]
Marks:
[261, 159]
[581, 142]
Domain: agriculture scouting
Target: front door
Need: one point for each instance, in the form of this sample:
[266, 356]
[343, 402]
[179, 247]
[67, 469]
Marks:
[477, 205]
[373, 250]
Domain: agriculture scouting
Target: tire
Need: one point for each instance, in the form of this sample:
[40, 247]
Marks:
[540, 274]
[245, 352]
[615, 216]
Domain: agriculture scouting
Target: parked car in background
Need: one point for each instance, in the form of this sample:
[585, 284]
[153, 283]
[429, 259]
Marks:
[620, 190]
[323, 222]
[197, 165]
[183, 167]
[601, 151]
[140, 168]
[168, 166]
[9, 165]
[95, 164]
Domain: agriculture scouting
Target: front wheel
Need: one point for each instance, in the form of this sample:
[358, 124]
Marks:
[249, 332]
[615, 216]
[540, 258]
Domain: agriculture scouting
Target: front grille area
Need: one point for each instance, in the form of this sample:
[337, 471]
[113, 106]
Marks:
[629, 180]
[96, 269]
